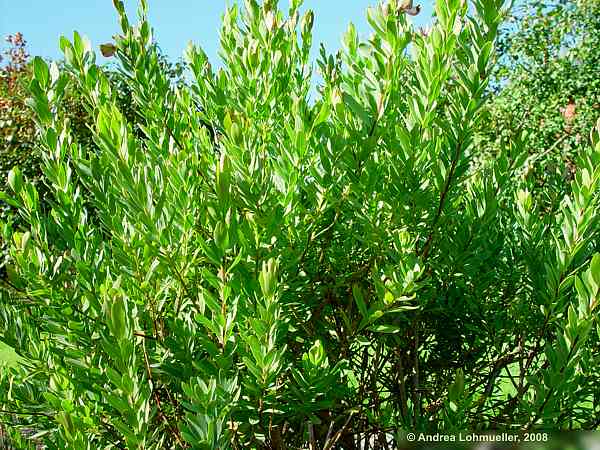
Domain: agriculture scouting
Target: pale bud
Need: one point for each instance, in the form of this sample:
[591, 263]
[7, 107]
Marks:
[268, 278]
[307, 22]
[270, 21]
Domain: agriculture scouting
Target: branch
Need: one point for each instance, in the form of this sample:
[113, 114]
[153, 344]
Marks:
[553, 388]
[329, 444]
[444, 193]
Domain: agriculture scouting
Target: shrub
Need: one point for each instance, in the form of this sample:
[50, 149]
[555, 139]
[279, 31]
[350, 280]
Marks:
[268, 271]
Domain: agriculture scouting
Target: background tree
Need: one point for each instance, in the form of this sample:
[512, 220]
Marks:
[17, 127]
[547, 88]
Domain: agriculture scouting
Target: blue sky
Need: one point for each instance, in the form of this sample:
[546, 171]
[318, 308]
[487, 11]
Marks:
[175, 22]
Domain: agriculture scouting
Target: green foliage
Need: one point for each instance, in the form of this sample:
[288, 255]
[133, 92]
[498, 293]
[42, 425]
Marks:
[17, 125]
[272, 272]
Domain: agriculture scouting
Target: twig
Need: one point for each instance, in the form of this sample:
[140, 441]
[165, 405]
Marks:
[26, 413]
[416, 381]
[328, 445]
[173, 429]
[402, 387]
[312, 444]
[145, 336]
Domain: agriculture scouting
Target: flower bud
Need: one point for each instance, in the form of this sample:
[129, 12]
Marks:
[337, 100]
[253, 53]
[223, 176]
[307, 22]
[270, 21]
[268, 278]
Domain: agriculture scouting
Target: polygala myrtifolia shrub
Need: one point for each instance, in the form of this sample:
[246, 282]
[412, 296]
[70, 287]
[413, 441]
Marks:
[314, 274]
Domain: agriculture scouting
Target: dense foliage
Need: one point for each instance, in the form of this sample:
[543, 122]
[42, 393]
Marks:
[247, 268]
[18, 130]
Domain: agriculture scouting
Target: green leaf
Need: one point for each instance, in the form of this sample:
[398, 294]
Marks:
[456, 389]
[595, 269]
[118, 318]
[372, 317]
[360, 300]
[357, 109]
[221, 236]
[15, 180]
[323, 114]
[41, 72]
[389, 329]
